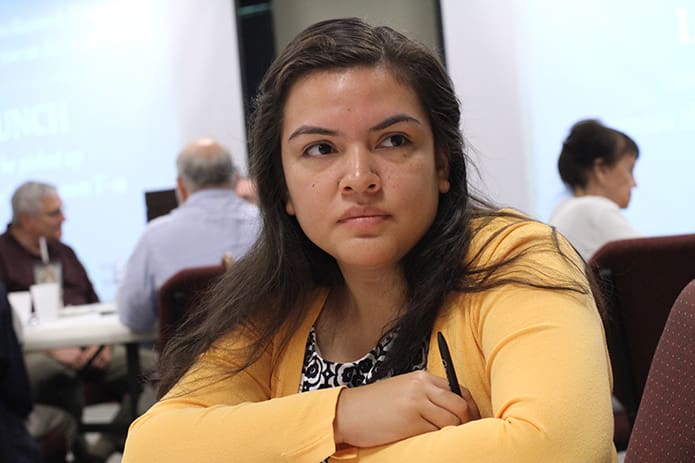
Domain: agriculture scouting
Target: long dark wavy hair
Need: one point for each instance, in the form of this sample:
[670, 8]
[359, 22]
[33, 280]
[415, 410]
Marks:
[270, 287]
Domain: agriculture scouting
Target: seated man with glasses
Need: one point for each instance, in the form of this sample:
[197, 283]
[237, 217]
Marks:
[31, 246]
[31, 252]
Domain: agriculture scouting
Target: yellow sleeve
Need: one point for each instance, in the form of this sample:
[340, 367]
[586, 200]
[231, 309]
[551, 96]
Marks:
[233, 419]
[544, 369]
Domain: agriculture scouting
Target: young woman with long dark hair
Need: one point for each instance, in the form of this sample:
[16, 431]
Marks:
[322, 342]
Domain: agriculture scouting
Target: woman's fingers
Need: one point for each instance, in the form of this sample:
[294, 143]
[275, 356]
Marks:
[473, 412]
[408, 405]
[472, 409]
[449, 409]
[439, 417]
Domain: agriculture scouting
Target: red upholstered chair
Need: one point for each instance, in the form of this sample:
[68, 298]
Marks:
[663, 430]
[641, 279]
[180, 295]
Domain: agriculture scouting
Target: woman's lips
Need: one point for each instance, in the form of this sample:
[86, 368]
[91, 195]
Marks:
[363, 213]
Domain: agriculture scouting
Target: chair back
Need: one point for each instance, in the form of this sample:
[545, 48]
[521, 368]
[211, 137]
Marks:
[663, 430]
[641, 278]
[179, 296]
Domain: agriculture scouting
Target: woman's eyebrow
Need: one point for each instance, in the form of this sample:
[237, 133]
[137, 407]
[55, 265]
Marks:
[395, 119]
[389, 121]
[312, 130]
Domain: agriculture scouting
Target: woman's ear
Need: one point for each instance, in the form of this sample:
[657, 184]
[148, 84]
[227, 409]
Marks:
[599, 163]
[289, 207]
[443, 173]
[598, 169]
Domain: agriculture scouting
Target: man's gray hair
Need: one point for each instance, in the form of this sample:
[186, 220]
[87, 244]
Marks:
[205, 164]
[28, 196]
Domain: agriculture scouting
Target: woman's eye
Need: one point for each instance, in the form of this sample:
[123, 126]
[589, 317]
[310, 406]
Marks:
[319, 149]
[393, 141]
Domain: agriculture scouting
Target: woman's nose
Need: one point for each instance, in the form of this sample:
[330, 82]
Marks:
[360, 175]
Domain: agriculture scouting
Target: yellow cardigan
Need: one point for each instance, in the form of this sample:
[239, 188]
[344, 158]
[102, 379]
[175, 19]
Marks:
[534, 360]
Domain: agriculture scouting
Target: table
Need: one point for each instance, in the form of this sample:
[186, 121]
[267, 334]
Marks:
[91, 324]
[83, 325]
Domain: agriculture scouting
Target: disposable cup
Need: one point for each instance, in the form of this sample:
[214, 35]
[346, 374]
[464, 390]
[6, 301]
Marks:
[21, 305]
[47, 301]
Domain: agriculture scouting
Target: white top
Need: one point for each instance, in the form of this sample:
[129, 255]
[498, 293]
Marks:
[589, 222]
[207, 225]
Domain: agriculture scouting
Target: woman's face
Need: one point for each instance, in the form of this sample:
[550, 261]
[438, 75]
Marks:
[359, 162]
[619, 179]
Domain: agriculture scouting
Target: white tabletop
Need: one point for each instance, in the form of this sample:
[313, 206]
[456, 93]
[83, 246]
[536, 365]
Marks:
[80, 326]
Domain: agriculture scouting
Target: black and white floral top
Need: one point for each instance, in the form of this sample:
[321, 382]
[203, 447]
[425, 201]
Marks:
[318, 373]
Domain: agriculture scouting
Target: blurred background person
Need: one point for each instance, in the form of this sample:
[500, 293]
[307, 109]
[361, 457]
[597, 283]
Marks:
[37, 214]
[57, 376]
[211, 221]
[597, 166]
[28, 431]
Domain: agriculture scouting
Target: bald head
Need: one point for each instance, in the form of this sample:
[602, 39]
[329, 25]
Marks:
[205, 164]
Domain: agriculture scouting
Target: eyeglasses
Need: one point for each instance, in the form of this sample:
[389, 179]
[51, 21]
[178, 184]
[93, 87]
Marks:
[54, 213]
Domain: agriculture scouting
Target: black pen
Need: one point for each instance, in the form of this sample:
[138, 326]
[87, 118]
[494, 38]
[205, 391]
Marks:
[448, 364]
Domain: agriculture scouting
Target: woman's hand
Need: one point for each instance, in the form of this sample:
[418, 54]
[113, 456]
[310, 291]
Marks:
[396, 408]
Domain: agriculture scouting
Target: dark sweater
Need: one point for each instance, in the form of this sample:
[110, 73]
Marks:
[16, 445]
[17, 269]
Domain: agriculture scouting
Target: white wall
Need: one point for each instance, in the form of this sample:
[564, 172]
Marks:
[526, 70]
[479, 41]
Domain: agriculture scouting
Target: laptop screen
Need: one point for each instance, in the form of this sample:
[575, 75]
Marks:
[160, 202]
